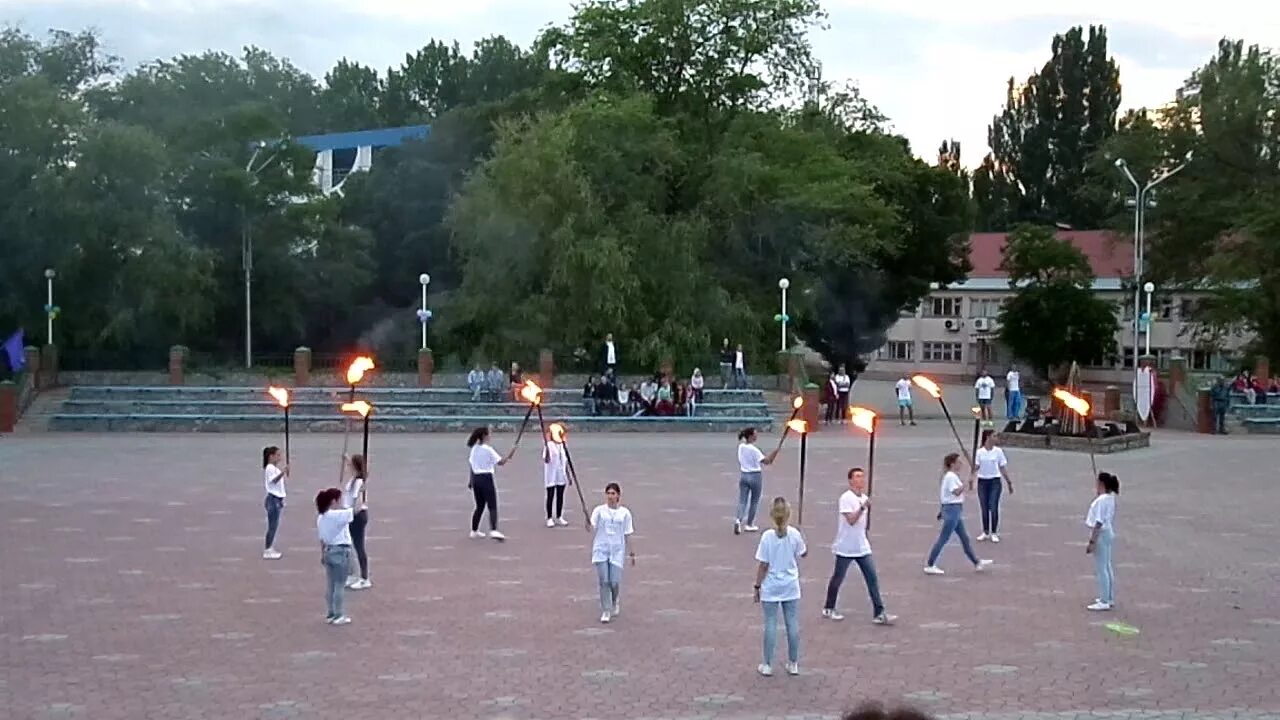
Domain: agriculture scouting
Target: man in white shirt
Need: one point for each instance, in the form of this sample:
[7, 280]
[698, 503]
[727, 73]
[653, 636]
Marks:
[850, 546]
[739, 369]
[608, 354]
[1013, 393]
[985, 388]
[903, 390]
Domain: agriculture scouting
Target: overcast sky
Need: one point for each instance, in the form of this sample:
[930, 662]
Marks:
[937, 68]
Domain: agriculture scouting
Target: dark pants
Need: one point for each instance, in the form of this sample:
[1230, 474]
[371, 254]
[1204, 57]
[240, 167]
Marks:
[486, 495]
[555, 493]
[842, 407]
[989, 490]
[358, 526]
[868, 568]
[1220, 419]
[274, 506]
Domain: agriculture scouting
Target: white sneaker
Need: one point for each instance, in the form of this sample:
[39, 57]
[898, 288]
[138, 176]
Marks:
[605, 618]
[344, 620]
[497, 536]
[982, 565]
[478, 534]
[884, 619]
[832, 614]
[995, 538]
[933, 570]
[1100, 606]
[270, 554]
[617, 608]
[981, 537]
[362, 585]
[561, 521]
[764, 670]
[793, 668]
[751, 528]
[351, 582]
[551, 523]
[737, 527]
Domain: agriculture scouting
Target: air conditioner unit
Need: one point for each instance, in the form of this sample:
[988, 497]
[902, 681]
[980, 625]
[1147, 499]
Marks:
[953, 325]
[982, 324]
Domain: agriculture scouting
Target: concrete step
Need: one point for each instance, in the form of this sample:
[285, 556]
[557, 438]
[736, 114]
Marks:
[420, 423]
[46, 404]
[383, 408]
[372, 394]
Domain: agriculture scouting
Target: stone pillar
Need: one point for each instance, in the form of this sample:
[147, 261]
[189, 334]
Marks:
[8, 406]
[31, 358]
[1204, 413]
[809, 413]
[426, 367]
[1110, 401]
[302, 367]
[1262, 369]
[795, 370]
[48, 367]
[547, 368]
[177, 365]
[1177, 374]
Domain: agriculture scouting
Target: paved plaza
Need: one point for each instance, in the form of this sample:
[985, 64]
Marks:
[132, 588]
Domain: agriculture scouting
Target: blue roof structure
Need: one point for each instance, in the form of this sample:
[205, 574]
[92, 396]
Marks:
[387, 137]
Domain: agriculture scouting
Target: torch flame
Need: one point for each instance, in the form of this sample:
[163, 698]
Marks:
[927, 385]
[357, 369]
[531, 393]
[1076, 404]
[557, 432]
[799, 426]
[863, 418]
[797, 402]
[361, 407]
[280, 394]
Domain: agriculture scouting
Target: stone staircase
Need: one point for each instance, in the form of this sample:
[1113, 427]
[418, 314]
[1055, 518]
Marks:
[1257, 419]
[316, 409]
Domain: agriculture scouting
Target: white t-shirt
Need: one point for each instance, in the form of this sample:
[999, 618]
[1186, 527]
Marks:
[1102, 510]
[612, 525]
[903, 387]
[950, 482]
[990, 461]
[696, 382]
[484, 459]
[842, 383]
[782, 582]
[1013, 381]
[985, 386]
[738, 363]
[611, 355]
[555, 471]
[333, 526]
[851, 540]
[351, 493]
[750, 458]
[273, 488]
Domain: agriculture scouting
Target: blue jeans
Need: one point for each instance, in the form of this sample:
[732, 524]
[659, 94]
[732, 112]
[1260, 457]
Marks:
[475, 389]
[1102, 566]
[1012, 403]
[868, 568]
[739, 379]
[771, 629]
[750, 485]
[274, 506]
[952, 522]
[609, 577]
[989, 490]
[337, 558]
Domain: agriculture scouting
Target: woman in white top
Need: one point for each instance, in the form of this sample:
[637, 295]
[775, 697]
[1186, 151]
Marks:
[778, 585]
[613, 525]
[751, 462]
[355, 498]
[1101, 520]
[951, 496]
[851, 546]
[696, 385]
[484, 460]
[843, 385]
[555, 476]
[274, 473]
[333, 527]
[991, 465]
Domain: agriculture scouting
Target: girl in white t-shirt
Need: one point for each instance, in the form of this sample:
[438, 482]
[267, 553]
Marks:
[778, 585]
[333, 527]
[555, 476]
[1101, 520]
[613, 526]
[951, 495]
[274, 474]
[355, 498]
[851, 546]
[991, 466]
[751, 462]
[483, 461]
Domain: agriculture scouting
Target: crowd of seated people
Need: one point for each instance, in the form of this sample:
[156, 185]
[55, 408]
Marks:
[1255, 391]
[659, 395]
[494, 385]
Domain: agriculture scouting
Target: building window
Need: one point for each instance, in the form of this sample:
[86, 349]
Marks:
[1128, 357]
[944, 306]
[985, 307]
[897, 350]
[1163, 309]
[948, 352]
[1210, 360]
[983, 354]
[1102, 362]
[1189, 309]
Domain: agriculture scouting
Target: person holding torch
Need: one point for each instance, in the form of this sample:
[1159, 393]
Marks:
[484, 460]
[751, 462]
[555, 476]
[851, 546]
[952, 499]
[274, 473]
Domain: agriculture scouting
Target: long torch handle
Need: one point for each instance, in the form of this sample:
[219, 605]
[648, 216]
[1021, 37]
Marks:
[803, 451]
[786, 429]
[964, 452]
[577, 486]
[523, 425]
[365, 445]
[346, 437]
[871, 469]
[286, 434]
[542, 425]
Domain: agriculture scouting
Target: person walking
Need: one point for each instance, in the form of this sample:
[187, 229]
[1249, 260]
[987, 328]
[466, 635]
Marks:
[903, 390]
[951, 495]
[555, 476]
[751, 462]
[484, 461]
[851, 546]
[726, 364]
[355, 498]
[985, 388]
[333, 526]
[613, 526]
[1013, 393]
[777, 587]
[274, 474]
[843, 385]
[1101, 520]
[991, 466]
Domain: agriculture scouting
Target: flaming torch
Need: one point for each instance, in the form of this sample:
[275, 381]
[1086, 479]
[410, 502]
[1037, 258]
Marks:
[281, 396]
[802, 428]
[1079, 406]
[363, 409]
[867, 420]
[932, 388]
[560, 435]
[355, 374]
[796, 403]
[531, 394]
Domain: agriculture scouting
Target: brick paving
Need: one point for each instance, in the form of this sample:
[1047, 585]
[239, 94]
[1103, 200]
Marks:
[131, 587]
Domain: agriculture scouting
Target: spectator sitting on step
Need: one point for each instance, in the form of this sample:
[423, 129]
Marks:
[589, 396]
[475, 382]
[697, 383]
[494, 382]
[516, 377]
[666, 405]
[649, 395]
[607, 395]
[1259, 391]
[681, 395]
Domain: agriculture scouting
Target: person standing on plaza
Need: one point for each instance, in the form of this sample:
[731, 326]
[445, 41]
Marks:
[355, 498]
[739, 369]
[751, 462]
[608, 355]
[613, 526]
[777, 585]
[726, 364]
[903, 390]
[274, 475]
[484, 461]
[1013, 393]
[985, 388]
[851, 546]
[1101, 520]
[333, 527]
[951, 496]
[991, 466]
[843, 385]
[555, 476]
[831, 395]
[1220, 398]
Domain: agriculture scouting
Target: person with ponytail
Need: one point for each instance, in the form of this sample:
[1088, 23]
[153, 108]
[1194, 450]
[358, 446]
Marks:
[274, 474]
[555, 476]
[355, 499]
[751, 462]
[484, 460]
[333, 526]
[952, 515]
[1101, 521]
[778, 585]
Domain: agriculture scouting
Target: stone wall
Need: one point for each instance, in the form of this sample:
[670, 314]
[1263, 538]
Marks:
[1100, 446]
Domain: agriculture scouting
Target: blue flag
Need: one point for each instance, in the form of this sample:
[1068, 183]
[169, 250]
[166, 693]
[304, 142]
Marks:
[12, 351]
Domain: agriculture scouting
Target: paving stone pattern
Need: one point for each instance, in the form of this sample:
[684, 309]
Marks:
[132, 588]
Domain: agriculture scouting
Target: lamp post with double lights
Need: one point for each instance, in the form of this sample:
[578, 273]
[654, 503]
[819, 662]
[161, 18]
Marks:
[782, 317]
[424, 315]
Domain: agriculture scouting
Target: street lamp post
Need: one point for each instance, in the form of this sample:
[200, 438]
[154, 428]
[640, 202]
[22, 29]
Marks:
[246, 253]
[783, 284]
[424, 314]
[1148, 288]
[49, 309]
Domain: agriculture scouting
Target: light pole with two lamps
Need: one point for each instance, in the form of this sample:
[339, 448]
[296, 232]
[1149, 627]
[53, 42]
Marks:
[1148, 288]
[782, 317]
[424, 315]
[50, 310]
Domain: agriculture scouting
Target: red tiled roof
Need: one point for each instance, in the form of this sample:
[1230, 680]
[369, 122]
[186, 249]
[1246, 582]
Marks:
[1110, 254]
